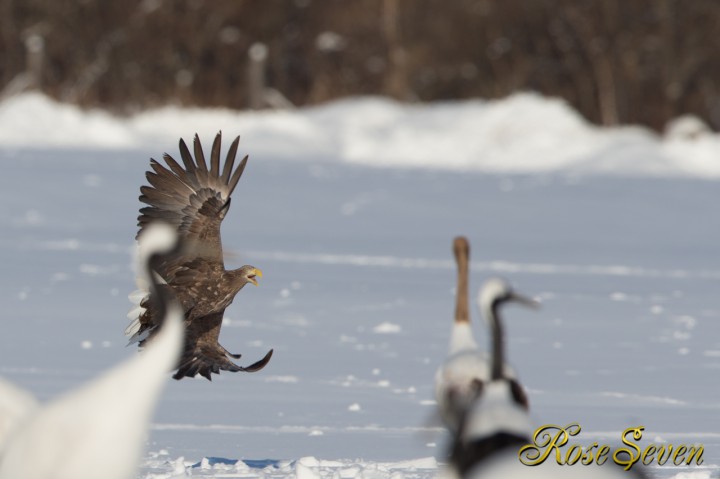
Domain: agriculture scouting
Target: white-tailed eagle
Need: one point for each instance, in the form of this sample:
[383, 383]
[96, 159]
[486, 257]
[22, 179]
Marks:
[194, 199]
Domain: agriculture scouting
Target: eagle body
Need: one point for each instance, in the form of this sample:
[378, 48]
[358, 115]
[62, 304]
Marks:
[194, 199]
[202, 288]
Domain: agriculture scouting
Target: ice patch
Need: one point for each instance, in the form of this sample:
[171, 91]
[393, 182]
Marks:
[92, 181]
[281, 379]
[97, 270]
[687, 322]
[387, 328]
[361, 201]
[308, 466]
[657, 309]
[61, 245]
[693, 475]
[645, 399]
[617, 296]
[31, 218]
[57, 277]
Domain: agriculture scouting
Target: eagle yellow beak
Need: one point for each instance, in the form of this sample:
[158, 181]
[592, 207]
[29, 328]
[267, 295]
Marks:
[254, 273]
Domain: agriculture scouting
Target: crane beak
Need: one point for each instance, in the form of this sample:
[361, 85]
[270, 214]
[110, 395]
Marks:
[525, 301]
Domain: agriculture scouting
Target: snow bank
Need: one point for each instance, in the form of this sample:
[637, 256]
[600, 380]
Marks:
[524, 133]
[307, 467]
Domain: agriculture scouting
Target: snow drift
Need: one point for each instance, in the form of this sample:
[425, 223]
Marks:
[524, 133]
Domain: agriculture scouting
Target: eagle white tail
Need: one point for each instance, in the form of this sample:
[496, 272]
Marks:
[161, 239]
[136, 297]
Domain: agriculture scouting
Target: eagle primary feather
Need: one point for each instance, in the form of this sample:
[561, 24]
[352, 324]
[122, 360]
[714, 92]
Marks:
[194, 200]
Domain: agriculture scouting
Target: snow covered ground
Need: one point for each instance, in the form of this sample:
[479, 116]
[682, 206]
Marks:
[350, 209]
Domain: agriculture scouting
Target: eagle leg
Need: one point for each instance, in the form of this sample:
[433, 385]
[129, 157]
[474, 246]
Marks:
[211, 361]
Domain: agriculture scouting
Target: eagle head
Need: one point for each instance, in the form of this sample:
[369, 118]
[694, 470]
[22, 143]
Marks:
[250, 274]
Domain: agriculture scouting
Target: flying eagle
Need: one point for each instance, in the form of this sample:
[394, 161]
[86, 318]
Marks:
[194, 200]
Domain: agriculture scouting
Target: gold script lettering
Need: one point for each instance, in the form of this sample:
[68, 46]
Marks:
[545, 440]
[631, 458]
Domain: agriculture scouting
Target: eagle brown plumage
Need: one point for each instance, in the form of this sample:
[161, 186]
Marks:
[194, 200]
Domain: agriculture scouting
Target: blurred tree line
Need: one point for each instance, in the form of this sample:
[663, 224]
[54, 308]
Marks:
[642, 61]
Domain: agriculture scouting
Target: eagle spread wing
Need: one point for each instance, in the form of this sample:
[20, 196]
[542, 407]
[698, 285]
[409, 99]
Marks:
[194, 199]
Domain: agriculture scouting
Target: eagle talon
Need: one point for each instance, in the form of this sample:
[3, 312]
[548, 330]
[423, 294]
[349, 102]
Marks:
[229, 354]
[257, 366]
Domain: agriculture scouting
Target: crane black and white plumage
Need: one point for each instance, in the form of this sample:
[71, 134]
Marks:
[497, 424]
[102, 425]
[467, 368]
[497, 417]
